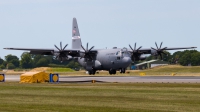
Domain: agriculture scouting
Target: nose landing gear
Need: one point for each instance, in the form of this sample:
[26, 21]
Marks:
[122, 70]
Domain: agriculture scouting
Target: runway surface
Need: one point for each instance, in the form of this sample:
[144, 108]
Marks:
[133, 79]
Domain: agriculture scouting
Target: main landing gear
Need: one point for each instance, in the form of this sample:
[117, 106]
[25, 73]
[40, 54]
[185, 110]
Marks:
[92, 72]
[112, 71]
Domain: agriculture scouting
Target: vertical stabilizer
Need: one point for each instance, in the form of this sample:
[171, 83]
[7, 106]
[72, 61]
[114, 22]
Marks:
[76, 39]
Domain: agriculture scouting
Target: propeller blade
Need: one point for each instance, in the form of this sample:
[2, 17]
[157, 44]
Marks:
[87, 47]
[87, 52]
[56, 57]
[83, 48]
[139, 48]
[91, 48]
[90, 57]
[164, 48]
[131, 47]
[156, 45]
[161, 45]
[135, 47]
[57, 47]
[65, 47]
[153, 48]
[61, 45]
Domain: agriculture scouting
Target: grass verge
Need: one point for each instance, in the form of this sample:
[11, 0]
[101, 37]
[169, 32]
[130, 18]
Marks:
[98, 97]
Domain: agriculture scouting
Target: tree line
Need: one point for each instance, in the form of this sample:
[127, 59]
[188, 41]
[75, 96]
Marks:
[184, 58]
[27, 61]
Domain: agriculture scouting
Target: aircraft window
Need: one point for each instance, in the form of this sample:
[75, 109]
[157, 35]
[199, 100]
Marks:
[122, 53]
[118, 52]
[118, 58]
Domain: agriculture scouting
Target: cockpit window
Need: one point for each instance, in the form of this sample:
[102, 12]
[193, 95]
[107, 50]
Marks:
[118, 53]
[124, 51]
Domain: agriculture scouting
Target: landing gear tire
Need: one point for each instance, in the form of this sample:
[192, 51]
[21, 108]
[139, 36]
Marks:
[111, 71]
[92, 72]
[122, 70]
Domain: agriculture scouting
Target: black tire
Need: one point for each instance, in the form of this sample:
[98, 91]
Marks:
[114, 71]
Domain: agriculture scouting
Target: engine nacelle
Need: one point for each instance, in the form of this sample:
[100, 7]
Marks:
[97, 64]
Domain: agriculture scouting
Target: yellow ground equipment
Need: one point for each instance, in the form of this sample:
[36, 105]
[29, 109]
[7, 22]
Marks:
[54, 78]
[34, 77]
[142, 74]
[2, 77]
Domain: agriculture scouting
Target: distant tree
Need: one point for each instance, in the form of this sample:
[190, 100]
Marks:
[195, 59]
[12, 59]
[189, 57]
[26, 60]
[149, 58]
[5, 63]
[73, 64]
[10, 66]
[38, 58]
[42, 62]
[176, 57]
[2, 66]
[1, 61]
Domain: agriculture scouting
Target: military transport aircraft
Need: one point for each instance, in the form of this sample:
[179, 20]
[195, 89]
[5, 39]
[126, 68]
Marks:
[99, 59]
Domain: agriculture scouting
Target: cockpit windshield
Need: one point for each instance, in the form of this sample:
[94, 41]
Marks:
[123, 52]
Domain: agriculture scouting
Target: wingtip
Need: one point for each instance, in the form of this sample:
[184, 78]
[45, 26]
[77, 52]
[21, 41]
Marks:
[8, 48]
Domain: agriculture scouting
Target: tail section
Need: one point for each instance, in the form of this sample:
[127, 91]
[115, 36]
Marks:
[76, 39]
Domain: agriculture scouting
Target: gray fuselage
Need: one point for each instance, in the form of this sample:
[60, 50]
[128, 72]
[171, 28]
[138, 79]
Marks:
[107, 59]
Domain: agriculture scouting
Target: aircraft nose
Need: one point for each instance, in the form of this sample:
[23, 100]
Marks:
[126, 60]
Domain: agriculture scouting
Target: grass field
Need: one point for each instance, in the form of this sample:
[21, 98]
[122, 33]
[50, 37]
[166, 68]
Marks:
[99, 97]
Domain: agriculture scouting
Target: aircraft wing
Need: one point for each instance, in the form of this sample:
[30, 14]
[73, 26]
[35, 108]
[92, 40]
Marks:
[177, 48]
[34, 51]
[136, 53]
[149, 50]
[71, 52]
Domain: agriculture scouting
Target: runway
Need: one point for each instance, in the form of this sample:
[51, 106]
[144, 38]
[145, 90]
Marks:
[120, 79]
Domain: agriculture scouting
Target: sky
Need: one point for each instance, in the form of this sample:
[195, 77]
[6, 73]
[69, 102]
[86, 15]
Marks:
[102, 23]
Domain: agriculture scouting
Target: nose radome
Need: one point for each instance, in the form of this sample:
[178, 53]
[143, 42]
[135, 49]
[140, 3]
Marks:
[126, 60]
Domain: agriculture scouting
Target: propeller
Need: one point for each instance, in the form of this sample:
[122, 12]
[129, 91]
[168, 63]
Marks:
[160, 50]
[135, 52]
[87, 53]
[61, 55]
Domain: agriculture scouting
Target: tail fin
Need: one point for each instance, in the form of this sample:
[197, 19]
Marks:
[76, 39]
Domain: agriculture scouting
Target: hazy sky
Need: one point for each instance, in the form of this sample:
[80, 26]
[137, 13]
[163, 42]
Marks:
[102, 23]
